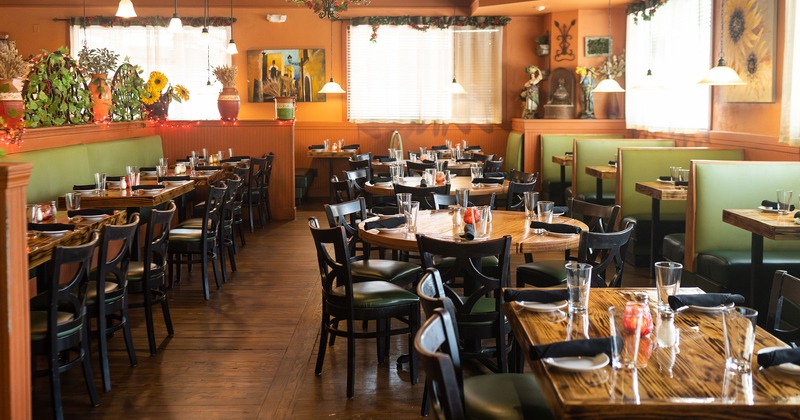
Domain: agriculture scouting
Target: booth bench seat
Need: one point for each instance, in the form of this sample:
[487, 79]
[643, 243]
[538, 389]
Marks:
[558, 145]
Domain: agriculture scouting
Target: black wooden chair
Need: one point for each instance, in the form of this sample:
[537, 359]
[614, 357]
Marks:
[492, 166]
[270, 157]
[479, 316]
[478, 157]
[493, 396]
[442, 201]
[515, 200]
[423, 194]
[522, 177]
[362, 161]
[238, 222]
[418, 168]
[784, 297]
[59, 322]
[227, 239]
[107, 299]
[349, 302]
[146, 278]
[255, 182]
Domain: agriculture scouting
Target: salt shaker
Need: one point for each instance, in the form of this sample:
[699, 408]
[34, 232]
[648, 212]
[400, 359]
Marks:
[53, 209]
[123, 183]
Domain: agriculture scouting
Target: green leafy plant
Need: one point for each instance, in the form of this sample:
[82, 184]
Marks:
[126, 88]
[97, 60]
[12, 65]
[2, 151]
[56, 93]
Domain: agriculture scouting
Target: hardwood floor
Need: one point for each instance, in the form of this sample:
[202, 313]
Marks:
[249, 352]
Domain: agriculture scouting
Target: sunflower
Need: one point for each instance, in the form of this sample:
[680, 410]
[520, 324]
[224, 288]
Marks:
[148, 98]
[181, 93]
[157, 81]
[744, 27]
[748, 39]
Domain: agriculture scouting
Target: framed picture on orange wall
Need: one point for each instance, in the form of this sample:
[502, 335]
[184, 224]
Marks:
[291, 72]
[750, 42]
[597, 46]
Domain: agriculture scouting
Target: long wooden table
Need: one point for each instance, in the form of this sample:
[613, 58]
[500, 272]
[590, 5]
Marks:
[658, 191]
[40, 247]
[439, 224]
[330, 155]
[460, 168]
[387, 189]
[131, 199]
[684, 378]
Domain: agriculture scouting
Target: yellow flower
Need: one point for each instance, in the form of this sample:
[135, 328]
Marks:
[181, 92]
[148, 98]
[157, 81]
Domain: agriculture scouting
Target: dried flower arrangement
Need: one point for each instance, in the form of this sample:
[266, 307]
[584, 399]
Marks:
[12, 65]
[613, 67]
[226, 75]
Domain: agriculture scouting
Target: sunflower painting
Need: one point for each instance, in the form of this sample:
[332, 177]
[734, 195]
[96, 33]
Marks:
[749, 40]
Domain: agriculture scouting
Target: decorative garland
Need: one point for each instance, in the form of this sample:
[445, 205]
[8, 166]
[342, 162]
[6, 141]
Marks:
[645, 8]
[126, 87]
[111, 21]
[332, 8]
[422, 23]
[56, 93]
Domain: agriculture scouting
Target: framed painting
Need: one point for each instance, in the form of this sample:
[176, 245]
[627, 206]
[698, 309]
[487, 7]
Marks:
[299, 73]
[596, 46]
[750, 44]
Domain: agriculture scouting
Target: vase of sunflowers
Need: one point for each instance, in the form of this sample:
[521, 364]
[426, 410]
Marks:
[156, 99]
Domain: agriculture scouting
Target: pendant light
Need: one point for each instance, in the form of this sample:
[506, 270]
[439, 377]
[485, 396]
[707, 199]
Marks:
[649, 82]
[232, 45]
[608, 85]
[175, 24]
[722, 75]
[331, 86]
[125, 9]
[455, 88]
[204, 31]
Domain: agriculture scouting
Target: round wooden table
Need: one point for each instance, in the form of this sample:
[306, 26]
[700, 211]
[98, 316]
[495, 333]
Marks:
[386, 189]
[438, 224]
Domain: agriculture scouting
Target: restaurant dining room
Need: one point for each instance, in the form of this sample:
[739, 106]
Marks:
[299, 209]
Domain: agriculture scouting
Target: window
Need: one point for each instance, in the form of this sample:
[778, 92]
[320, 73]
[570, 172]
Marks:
[790, 99]
[404, 76]
[676, 46]
[183, 57]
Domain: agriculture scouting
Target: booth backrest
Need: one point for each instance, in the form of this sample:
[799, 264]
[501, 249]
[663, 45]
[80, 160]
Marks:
[514, 151]
[558, 145]
[637, 164]
[598, 152]
[718, 185]
[57, 169]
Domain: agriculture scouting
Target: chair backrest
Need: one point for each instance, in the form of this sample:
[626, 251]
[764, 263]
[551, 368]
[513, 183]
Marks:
[113, 257]
[229, 199]
[358, 178]
[362, 161]
[156, 240]
[467, 255]
[437, 346]
[601, 250]
[482, 158]
[258, 167]
[422, 194]
[523, 177]
[347, 214]
[268, 169]
[492, 166]
[514, 151]
[342, 190]
[242, 174]
[443, 201]
[784, 297]
[598, 217]
[432, 295]
[67, 284]
[333, 259]
[515, 200]
[416, 168]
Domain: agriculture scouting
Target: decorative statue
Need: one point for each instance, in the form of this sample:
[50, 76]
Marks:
[560, 95]
[530, 93]
[588, 81]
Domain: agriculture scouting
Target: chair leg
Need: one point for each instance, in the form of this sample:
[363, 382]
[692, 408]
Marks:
[425, 408]
[379, 341]
[232, 253]
[148, 317]
[205, 276]
[126, 332]
[87, 366]
[214, 265]
[55, 387]
[221, 255]
[323, 338]
[267, 206]
[332, 339]
[351, 359]
[167, 316]
[413, 360]
[102, 349]
[241, 233]
[250, 219]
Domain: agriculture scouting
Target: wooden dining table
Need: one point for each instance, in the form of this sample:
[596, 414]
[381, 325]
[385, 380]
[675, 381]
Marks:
[601, 173]
[387, 189]
[331, 155]
[439, 224]
[684, 376]
[125, 198]
[658, 191]
[460, 168]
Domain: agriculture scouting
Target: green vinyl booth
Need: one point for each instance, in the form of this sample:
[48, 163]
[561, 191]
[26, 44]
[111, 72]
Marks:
[637, 164]
[558, 145]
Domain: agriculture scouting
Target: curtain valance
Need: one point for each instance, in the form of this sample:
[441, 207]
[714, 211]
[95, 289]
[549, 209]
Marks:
[111, 21]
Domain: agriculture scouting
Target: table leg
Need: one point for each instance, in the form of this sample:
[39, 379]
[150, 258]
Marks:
[655, 233]
[599, 190]
[756, 265]
[563, 185]
[330, 177]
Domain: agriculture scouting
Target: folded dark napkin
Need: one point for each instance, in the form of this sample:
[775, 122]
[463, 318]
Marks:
[469, 232]
[147, 187]
[385, 210]
[182, 160]
[316, 146]
[574, 348]
[438, 147]
[681, 183]
[384, 159]
[147, 168]
[487, 180]
[555, 227]
[494, 175]
[114, 178]
[568, 153]
[231, 160]
[473, 148]
[50, 227]
[542, 296]
[387, 223]
[208, 168]
[378, 179]
[612, 162]
[560, 209]
[708, 300]
[774, 204]
[428, 161]
[83, 187]
[465, 160]
[242, 157]
[173, 178]
[350, 146]
[797, 215]
[779, 357]
[89, 212]
[665, 178]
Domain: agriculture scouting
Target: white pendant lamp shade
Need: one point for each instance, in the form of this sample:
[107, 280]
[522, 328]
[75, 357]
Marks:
[455, 88]
[331, 87]
[125, 9]
[175, 24]
[722, 75]
[608, 85]
[232, 48]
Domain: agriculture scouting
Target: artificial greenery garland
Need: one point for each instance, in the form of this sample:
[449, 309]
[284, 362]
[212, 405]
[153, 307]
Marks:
[422, 23]
[645, 8]
[56, 92]
[126, 88]
[111, 21]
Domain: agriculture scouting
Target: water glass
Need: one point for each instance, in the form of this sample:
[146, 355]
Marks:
[447, 143]
[440, 165]
[683, 175]
[462, 197]
[327, 144]
[529, 200]
[483, 222]
[624, 386]
[674, 172]
[668, 281]
[194, 154]
[545, 211]
[579, 280]
[163, 161]
[411, 212]
[100, 181]
[430, 176]
[230, 152]
[161, 170]
[739, 326]
[784, 201]
[625, 323]
[132, 178]
[33, 212]
[737, 387]
[73, 200]
[396, 172]
[464, 145]
[423, 151]
[578, 326]
[219, 156]
[458, 221]
[205, 153]
[476, 171]
[403, 200]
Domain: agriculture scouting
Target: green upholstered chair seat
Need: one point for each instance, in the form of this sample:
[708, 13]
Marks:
[387, 270]
[193, 223]
[543, 273]
[731, 268]
[674, 247]
[484, 305]
[639, 247]
[39, 324]
[504, 396]
[378, 294]
[91, 292]
[136, 271]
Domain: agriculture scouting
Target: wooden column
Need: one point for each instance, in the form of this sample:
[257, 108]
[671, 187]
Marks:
[15, 348]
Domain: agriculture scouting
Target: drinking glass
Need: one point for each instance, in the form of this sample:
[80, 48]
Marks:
[430, 176]
[230, 152]
[205, 153]
[668, 281]
[737, 387]
[73, 200]
[447, 176]
[163, 161]
[464, 144]
[194, 154]
[579, 276]
[683, 175]
[33, 212]
[462, 197]
[624, 386]
[402, 202]
[440, 165]
[739, 326]
[161, 170]
[192, 163]
[476, 171]
[411, 212]
[422, 152]
[784, 201]
[545, 211]
[396, 171]
[578, 326]
[482, 222]
[625, 323]
[458, 221]
[674, 172]
[529, 200]
[100, 181]
[219, 156]
[327, 144]
[447, 143]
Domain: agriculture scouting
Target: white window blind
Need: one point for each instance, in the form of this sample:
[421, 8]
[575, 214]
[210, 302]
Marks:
[404, 76]
[790, 98]
[183, 57]
[676, 46]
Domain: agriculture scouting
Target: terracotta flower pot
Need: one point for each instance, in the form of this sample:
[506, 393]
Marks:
[228, 104]
[11, 109]
[100, 93]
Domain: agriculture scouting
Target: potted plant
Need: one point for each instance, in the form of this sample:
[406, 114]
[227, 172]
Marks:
[13, 69]
[283, 92]
[156, 100]
[98, 62]
[228, 101]
[544, 44]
